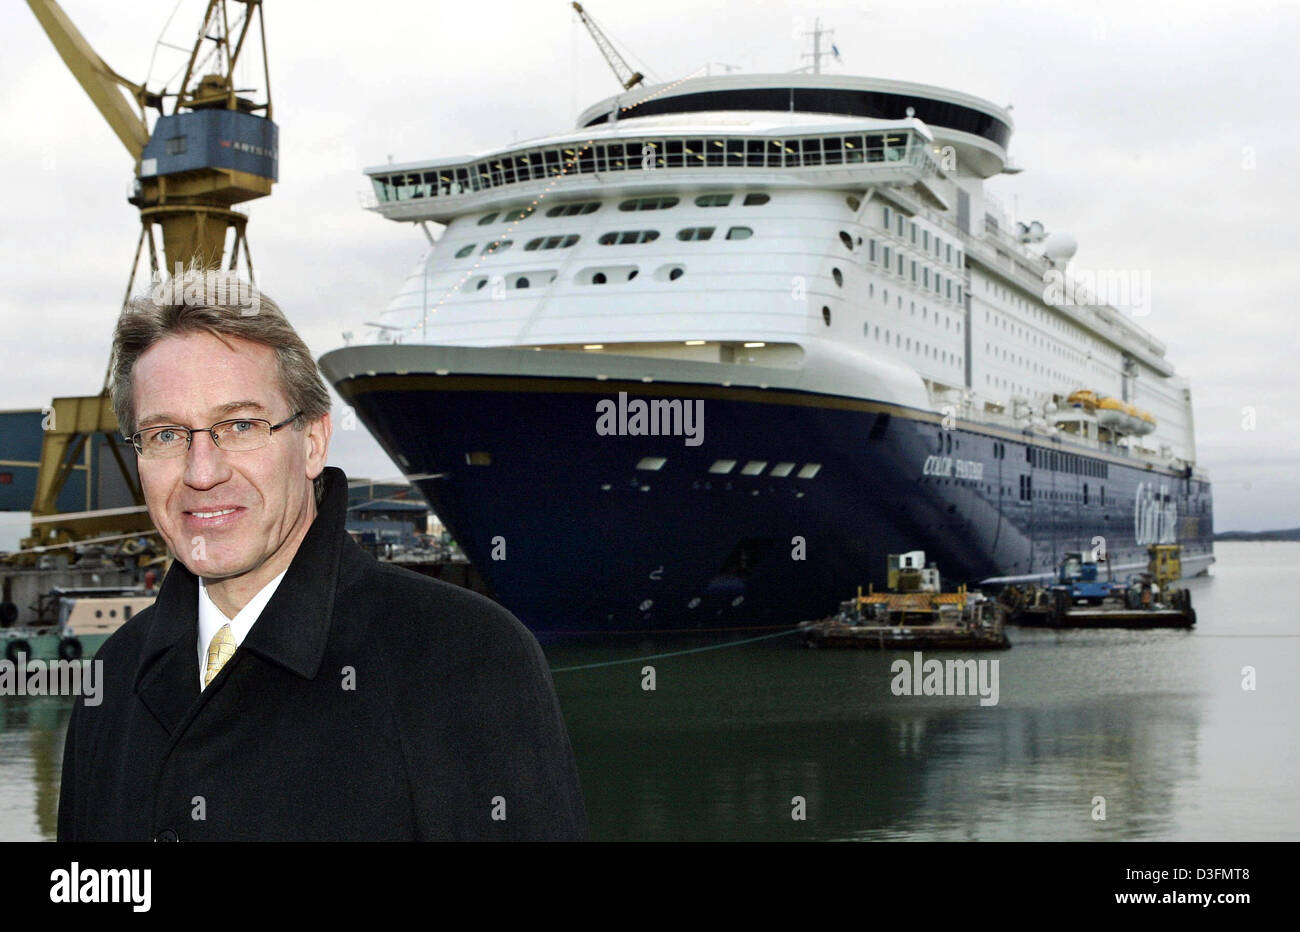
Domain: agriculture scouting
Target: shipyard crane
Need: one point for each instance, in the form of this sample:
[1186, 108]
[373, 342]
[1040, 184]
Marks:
[622, 70]
[210, 147]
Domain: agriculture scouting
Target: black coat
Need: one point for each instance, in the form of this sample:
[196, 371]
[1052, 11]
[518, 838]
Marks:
[452, 722]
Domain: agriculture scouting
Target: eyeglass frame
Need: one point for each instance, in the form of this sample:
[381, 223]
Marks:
[191, 431]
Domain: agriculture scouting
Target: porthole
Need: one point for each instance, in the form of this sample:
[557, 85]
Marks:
[466, 250]
[631, 275]
[853, 202]
[598, 278]
[676, 273]
[846, 240]
[838, 276]
[756, 200]
[826, 315]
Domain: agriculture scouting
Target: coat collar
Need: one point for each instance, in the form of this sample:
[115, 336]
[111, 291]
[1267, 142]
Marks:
[291, 631]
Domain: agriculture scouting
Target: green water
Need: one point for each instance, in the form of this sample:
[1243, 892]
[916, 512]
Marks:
[1155, 722]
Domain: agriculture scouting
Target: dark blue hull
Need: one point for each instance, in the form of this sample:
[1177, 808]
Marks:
[572, 536]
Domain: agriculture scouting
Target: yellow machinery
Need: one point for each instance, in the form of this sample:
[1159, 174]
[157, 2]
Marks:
[1165, 563]
[209, 148]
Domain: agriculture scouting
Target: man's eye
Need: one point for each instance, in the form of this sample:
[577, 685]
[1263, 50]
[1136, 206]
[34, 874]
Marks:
[241, 427]
[167, 436]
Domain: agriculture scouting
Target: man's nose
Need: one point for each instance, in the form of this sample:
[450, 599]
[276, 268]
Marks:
[205, 462]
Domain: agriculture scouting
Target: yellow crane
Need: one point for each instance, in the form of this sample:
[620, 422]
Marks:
[622, 70]
[209, 148]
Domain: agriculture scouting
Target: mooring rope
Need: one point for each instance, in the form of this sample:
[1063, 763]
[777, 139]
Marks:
[675, 653]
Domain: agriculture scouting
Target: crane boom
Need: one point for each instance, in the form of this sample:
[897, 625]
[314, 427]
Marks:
[101, 83]
[622, 70]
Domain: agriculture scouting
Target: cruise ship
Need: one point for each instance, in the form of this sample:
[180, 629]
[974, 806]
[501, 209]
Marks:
[704, 360]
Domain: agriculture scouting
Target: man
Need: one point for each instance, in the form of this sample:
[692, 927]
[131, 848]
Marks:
[286, 685]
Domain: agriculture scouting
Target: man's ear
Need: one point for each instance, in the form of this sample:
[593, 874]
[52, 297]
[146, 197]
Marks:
[316, 439]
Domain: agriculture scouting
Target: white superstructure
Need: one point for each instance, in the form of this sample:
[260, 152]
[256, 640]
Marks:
[845, 237]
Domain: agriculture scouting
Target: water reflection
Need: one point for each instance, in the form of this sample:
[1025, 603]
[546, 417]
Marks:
[31, 757]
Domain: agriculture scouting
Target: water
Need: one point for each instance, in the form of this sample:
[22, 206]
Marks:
[1155, 722]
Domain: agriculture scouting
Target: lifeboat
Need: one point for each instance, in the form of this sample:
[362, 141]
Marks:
[1111, 414]
[1083, 399]
[1146, 423]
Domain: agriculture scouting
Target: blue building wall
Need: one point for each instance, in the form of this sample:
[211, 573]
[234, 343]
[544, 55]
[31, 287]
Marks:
[96, 481]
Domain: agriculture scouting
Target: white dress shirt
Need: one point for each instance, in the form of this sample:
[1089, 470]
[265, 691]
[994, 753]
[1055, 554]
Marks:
[211, 619]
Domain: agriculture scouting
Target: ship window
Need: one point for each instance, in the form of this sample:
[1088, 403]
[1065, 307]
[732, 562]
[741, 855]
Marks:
[885, 258]
[598, 278]
[914, 270]
[690, 234]
[648, 203]
[722, 467]
[899, 222]
[478, 458]
[887, 216]
[573, 209]
[486, 219]
[846, 240]
[753, 468]
[497, 245]
[713, 200]
[465, 250]
[826, 315]
[740, 233]
[652, 463]
[809, 470]
[521, 282]
[871, 250]
[628, 237]
[522, 213]
[838, 276]
[854, 203]
[781, 470]
[756, 200]
[551, 242]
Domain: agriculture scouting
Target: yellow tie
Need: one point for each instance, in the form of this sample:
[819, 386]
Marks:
[221, 649]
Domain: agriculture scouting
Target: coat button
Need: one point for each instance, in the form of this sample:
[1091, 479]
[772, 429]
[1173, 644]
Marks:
[166, 834]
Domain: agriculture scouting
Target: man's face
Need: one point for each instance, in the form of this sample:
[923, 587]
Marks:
[226, 513]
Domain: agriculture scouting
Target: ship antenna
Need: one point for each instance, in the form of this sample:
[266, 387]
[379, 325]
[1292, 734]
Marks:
[817, 53]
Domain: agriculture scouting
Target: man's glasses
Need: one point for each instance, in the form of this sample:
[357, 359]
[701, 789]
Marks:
[237, 436]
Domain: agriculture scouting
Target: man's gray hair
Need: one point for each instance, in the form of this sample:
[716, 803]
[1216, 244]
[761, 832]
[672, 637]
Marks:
[165, 311]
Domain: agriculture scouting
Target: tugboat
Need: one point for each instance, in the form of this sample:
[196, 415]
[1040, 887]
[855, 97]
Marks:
[1079, 599]
[913, 615]
[85, 617]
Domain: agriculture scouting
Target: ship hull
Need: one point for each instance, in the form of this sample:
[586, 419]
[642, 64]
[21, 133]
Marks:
[573, 537]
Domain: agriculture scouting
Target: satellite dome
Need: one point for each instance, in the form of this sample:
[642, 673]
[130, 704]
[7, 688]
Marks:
[1060, 246]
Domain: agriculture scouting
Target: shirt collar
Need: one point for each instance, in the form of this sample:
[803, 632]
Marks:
[211, 618]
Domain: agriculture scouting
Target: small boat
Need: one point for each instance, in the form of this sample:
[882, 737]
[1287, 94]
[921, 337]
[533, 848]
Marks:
[1080, 599]
[86, 617]
[913, 615]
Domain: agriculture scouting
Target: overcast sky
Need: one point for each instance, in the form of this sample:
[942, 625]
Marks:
[1163, 135]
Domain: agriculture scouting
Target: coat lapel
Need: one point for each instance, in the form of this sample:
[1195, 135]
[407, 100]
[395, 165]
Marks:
[167, 679]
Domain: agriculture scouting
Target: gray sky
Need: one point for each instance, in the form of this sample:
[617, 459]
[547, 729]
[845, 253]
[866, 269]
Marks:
[1164, 135]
